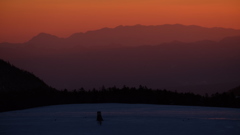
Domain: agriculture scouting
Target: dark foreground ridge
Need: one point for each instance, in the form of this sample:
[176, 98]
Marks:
[20, 90]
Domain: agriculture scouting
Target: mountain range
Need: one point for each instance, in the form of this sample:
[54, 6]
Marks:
[174, 57]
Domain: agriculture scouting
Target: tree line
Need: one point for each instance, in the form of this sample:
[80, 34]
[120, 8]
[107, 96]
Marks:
[14, 100]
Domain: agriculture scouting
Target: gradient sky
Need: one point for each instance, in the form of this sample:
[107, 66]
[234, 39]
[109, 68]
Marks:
[20, 20]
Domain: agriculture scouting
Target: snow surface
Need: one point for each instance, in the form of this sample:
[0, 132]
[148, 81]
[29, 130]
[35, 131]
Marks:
[121, 119]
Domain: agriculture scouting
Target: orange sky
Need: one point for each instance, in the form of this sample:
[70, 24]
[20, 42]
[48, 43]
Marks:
[20, 20]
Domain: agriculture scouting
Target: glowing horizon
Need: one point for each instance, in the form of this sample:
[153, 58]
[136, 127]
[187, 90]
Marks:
[23, 19]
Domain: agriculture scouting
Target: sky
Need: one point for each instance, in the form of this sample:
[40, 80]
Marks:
[20, 20]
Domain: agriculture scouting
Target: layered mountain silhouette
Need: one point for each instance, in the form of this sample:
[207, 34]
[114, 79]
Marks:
[176, 57]
[149, 35]
[134, 36]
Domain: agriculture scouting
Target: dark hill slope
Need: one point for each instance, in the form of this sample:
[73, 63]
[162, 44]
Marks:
[15, 79]
[20, 89]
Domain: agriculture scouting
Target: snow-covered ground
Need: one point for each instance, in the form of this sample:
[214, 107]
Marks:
[121, 119]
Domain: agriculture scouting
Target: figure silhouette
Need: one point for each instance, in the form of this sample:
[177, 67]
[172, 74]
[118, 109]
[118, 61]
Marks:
[99, 117]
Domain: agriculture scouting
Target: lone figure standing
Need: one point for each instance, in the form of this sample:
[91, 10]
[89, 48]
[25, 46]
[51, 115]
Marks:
[99, 117]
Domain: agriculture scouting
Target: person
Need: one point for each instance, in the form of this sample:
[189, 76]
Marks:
[99, 117]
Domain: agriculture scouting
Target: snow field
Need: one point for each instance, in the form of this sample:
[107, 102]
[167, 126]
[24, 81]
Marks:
[119, 119]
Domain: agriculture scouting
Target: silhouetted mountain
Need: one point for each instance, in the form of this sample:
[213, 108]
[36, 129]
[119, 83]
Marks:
[14, 79]
[200, 67]
[175, 57]
[43, 37]
[135, 36]
[45, 41]
[20, 89]
[149, 35]
[138, 35]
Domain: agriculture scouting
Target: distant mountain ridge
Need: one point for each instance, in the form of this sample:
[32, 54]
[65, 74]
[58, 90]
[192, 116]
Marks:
[150, 35]
[135, 36]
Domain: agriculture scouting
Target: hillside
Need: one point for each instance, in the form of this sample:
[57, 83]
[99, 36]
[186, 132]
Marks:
[15, 79]
[21, 89]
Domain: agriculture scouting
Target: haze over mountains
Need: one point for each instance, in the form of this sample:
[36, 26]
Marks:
[174, 57]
